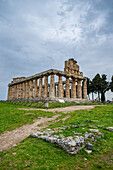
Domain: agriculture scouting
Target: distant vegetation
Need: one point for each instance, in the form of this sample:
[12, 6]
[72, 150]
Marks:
[99, 85]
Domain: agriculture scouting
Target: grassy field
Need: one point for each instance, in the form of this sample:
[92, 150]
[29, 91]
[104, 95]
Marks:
[33, 153]
[11, 117]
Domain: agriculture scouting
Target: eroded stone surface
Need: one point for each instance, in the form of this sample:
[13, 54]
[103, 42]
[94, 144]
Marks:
[94, 130]
[109, 128]
[71, 144]
[88, 151]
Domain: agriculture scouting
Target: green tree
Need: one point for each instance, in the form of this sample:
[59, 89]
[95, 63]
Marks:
[104, 86]
[92, 89]
[88, 87]
[111, 84]
[96, 83]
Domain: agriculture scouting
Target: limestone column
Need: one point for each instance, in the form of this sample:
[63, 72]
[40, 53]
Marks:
[13, 94]
[36, 90]
[21, 90]
[15, 91]
[73, 89]
[27, 90]
[31, 89]
[24, 90]
[40, 87]
[46, 86]
[57, 90]
[8, 97]
[18, 87]
[79, 89]
[85, 89]
[52, 87]
[43, 91]
[10, 92]
[60, 87]
[67, 88]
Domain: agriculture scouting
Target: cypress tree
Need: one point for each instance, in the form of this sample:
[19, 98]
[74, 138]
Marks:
[104, 86]
[111, 84]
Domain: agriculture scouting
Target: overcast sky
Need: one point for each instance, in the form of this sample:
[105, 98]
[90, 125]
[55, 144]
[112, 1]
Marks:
[36, 35]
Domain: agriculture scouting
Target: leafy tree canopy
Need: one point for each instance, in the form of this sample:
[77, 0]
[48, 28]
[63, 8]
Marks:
[99, 84]
[96, 83]
[111, 84]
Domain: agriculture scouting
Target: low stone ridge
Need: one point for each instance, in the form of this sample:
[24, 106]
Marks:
[71, 144]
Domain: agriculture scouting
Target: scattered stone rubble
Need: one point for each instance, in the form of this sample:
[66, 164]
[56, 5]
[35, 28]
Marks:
[109, 128]
[71, 144]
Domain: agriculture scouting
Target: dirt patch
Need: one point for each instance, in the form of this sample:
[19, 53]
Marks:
[68, 116]
[9, 138]
[65, 109]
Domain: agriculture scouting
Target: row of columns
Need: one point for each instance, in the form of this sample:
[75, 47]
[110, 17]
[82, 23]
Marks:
[30, 90]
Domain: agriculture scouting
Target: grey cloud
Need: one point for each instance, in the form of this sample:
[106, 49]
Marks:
[39, 35]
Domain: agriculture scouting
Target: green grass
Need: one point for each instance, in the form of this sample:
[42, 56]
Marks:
[33, 153]
[11, 117]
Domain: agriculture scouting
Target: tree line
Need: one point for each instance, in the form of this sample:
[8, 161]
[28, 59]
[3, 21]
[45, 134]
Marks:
[99, 85]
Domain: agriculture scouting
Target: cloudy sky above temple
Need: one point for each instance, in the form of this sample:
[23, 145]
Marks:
[37, 35]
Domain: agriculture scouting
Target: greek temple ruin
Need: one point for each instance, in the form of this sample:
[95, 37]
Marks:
[50, 85]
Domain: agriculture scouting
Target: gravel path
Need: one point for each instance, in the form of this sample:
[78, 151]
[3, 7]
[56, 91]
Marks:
[10, 138]
[64, 109]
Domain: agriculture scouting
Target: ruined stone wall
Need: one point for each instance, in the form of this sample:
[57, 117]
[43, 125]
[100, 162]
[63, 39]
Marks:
[37, 87]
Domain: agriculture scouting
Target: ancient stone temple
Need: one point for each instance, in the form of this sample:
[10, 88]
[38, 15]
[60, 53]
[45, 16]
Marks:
[50, 85]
